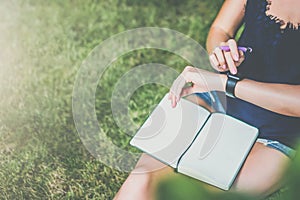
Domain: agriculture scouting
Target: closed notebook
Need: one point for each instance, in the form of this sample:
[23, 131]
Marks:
[210, 147]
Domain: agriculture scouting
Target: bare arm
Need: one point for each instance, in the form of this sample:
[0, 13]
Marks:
[226, 23]
[222, 33]
[279, 98]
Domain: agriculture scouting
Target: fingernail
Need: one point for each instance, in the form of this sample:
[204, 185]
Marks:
[233, 71]
[224, 66]
[236, 57]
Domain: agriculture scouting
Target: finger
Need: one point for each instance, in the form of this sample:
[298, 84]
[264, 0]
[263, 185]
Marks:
[220, 57]
[233, 49]
[173, 101]
[170, 94]
[241, 58]
[213, 61]
[171, 97]
[177, 86]
[230, 63]
[223, 69]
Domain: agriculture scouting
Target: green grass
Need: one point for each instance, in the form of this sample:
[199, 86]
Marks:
[43, 44]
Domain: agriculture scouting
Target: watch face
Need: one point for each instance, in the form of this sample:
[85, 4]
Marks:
[234, 76]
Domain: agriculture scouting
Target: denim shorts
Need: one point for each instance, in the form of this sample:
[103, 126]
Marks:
[289, 152]
[212, 99]
[217, 105]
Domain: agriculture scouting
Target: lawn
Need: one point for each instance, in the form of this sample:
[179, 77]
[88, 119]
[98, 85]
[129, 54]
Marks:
[43, 47]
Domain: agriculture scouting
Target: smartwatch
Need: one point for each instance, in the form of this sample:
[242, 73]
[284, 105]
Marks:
[232, 80]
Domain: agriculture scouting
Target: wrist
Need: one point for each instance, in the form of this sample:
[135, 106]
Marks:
[232, 80]
[219, 84]
[222, 86]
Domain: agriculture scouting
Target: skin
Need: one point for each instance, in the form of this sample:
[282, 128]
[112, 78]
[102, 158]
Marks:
[282, 98]
[264, 168]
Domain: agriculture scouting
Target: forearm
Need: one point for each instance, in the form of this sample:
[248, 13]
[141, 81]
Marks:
[226, 23]
[216, 36]
[280, 98]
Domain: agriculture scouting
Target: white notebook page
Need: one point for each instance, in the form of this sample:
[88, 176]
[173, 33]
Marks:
[219, 150]
[168, 131]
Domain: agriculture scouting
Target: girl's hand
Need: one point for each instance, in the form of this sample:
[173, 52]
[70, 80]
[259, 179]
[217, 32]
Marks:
[227, 60]
[193, 80]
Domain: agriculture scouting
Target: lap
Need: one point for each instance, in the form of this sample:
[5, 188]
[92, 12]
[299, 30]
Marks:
[261, 173]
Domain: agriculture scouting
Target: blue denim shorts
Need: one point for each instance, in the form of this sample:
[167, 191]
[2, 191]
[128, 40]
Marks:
[288, 151]
[216, 104]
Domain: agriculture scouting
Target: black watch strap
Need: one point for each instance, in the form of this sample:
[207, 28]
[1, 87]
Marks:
[231, 83]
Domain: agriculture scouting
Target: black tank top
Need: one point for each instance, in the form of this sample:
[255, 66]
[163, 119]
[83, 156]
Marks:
[275, 59]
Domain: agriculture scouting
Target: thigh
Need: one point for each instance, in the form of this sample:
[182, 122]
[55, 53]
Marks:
[150, 165]
[262, 171]
[154, 171]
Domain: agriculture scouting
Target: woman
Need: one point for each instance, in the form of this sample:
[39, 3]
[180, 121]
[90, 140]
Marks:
[267, 97]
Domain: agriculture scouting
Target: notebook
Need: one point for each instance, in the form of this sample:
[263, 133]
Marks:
[210, 147]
